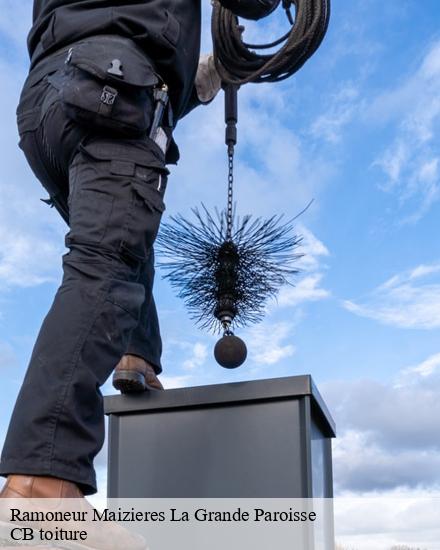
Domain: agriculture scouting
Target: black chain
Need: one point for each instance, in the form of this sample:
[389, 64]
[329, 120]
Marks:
[230, 193]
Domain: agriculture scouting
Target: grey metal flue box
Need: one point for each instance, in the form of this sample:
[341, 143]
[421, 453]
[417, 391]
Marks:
[259, 439]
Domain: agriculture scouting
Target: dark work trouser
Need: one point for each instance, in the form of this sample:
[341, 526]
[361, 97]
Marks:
[112, 190]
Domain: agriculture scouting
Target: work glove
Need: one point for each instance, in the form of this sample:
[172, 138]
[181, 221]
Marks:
[208, 82]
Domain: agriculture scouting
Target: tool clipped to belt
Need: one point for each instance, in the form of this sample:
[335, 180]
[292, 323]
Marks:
[226, 268]
[161, 106]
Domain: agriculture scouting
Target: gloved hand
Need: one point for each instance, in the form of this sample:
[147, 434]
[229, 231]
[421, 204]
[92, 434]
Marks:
[208, 81]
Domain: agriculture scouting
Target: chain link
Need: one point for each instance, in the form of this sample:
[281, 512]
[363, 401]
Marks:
[230, 193]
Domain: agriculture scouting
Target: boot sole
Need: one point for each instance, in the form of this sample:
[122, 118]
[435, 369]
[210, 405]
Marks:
[127, 381]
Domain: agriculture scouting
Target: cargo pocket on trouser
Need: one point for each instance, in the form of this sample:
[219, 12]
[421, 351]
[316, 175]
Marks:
[148, 187]
[90, 202]
[90, 213]
[108, 83]
[132, 177]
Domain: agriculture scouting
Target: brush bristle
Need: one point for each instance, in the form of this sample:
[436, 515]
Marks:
[266, 261]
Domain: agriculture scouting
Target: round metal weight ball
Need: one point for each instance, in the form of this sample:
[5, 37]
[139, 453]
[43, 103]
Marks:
[230, 351]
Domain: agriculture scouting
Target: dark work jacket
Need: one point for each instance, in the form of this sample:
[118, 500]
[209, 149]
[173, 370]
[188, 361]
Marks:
[167, 30]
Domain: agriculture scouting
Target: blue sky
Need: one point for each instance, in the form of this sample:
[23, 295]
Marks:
[357, 130]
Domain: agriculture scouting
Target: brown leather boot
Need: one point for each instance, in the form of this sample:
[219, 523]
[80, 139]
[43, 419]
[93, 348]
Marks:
[20, 486]
[134, 374]
[48, 495]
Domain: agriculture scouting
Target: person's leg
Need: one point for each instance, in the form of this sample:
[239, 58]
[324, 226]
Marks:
[115, 203]
[145, 340]
[137, 370]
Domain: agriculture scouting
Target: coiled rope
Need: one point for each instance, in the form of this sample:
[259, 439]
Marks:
[238, 63]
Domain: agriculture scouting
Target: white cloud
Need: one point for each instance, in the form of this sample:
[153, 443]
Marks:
[307, 287]
[169, 382]
[276, 172]
[267, 344]
[26, 259]
[312, 248]
[361, 464]
[198, 357]
[426, 368]
[388, 431]
[407, 300]
[340, 110]
[399, 520]
[422, 270]
[411, 161]
[306, 290]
